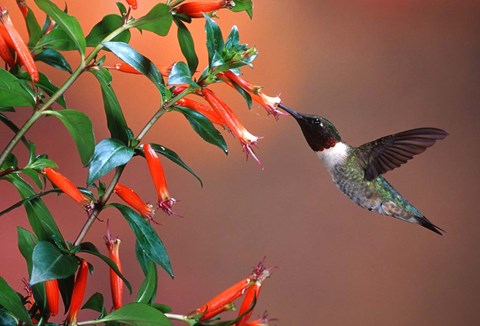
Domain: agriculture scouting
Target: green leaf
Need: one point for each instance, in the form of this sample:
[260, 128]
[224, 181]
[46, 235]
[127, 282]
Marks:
[104, 28]
[90, 248]
[187, 45]
[26, 243]
[49, 263]
[215, 42]
[45, 85]
[55, 59]
[137, 314]
[115, 119]
[11, 301]
[203, 127]
[56, 39]
[121, 8]
[180, 74]
[109, 153]
[33, 27]
[142, 258]
[138, 61]
[243, 5]
[41, 221]
[147, 238]
[148, 288]
[233, 38]
[158, 20]
[172, 156]
[66, 289]
[12, 93]
[81, 130]
[68, 23]
[96, 303]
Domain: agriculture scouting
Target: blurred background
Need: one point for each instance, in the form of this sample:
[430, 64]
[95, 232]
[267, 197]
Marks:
[373, 68]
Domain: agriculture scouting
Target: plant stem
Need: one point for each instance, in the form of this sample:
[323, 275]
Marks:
[118, 173]
[179, 317]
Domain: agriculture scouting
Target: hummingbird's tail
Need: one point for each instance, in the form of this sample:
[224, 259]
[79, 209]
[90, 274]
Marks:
[423, 221]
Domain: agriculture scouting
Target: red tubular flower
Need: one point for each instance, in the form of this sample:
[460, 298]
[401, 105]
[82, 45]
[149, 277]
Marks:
[19, 46]
[195, 9]
[67, 187]
[5, 53]
[259, 322]
[269, 103]
[78, 293]
[203, 109]
[116, 283]
[133, 199]
[165, 202]
[232, 122]
[223, 300]
[259, 274]
[53, 296]
[133, 4]
[125, 67]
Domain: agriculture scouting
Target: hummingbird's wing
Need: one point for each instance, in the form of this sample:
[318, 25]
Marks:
[389, 152]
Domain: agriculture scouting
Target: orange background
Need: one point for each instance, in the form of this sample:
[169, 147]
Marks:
[373, 68]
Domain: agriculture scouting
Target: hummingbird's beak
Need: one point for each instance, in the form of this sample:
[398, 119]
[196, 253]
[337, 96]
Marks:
[294, 114]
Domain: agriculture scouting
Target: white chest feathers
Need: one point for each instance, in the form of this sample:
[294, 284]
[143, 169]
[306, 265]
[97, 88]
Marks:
[334, 155]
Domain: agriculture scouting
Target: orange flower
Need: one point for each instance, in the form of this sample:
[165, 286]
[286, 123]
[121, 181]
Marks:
[165, 202]
[133, 199]
[19, 46]
[223, 300]
[116, 283]
[195, 9]
[78, 293]
[207, 111]
[133, 4]
[269, 103]
[5, 53]
[125, 67]
[53, 296]
[67, 187]
[232, 122]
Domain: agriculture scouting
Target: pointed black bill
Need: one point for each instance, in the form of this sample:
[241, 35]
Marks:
[293, 113]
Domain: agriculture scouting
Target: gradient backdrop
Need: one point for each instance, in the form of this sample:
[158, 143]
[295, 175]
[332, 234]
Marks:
[372, 67]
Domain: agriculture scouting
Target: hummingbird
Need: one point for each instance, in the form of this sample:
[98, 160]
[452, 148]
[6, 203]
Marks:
[358, 171]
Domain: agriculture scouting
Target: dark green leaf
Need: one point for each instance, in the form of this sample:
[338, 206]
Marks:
[11, 301]
[42, 162]
[142, 258]
[121, 8]
[180, 74]
[109, 153]
[49, 263]
[96, 303]
[66, 289]
[233, 38]
[203, 127]
[138, 61]
[148, 288]
[137, 314]
[68, 23]
[7, 109]
[55, 59]
[115, 119]
[215, 42]
[243, 5]
[90, 248]
[104, 28]
[34, 176]
[56, 39]
[41, 221]
[172, 156]
[45, 85]
[147, 238]
[158, 20]
[163, 308]
[81, 130]
[33, 27]
[187, 45]
[12, 93]
[26, 243]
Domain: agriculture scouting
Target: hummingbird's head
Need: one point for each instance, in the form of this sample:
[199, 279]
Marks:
[319, 133]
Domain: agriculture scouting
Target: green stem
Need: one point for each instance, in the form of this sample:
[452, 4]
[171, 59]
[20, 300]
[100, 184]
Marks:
[118, 173]
[73, 77]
